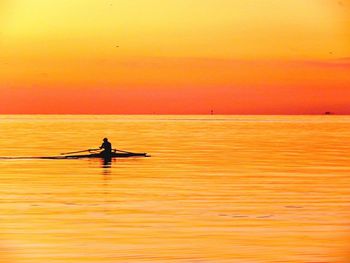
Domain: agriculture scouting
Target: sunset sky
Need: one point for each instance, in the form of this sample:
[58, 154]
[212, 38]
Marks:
[175, 56]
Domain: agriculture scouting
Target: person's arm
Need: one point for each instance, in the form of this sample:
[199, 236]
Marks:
[102, 146]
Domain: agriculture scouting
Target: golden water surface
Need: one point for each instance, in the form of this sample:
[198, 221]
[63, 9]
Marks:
[216, 189]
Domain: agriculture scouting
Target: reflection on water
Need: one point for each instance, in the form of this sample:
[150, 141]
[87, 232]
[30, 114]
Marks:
[216, 189]
[107, 162]
[106, 165]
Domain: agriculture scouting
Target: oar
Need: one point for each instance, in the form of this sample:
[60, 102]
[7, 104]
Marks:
[88, 150]
[116, 150]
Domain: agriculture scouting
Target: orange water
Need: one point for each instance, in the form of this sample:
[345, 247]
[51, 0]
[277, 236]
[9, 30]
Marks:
[216, 189]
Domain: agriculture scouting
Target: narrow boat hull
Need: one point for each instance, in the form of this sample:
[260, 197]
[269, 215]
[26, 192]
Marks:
[113, 155]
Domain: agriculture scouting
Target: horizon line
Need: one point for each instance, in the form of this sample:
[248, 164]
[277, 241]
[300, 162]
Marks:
[184, 114]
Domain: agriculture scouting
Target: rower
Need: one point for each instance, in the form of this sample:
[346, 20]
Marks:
[107, 147]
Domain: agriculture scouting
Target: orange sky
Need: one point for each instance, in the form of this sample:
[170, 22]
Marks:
[175, 56]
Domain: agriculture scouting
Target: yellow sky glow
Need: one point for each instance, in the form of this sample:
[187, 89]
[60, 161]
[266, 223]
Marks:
[199, 28]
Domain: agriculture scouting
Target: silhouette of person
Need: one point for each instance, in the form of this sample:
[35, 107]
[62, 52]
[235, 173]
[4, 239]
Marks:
[107, 148]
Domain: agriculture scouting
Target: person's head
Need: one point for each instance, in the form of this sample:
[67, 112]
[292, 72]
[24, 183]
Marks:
[105, 140]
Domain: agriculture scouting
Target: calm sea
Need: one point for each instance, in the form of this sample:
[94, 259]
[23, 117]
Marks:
[216, 189]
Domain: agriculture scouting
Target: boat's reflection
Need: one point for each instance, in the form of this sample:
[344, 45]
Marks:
[107, 162]
[106, 165]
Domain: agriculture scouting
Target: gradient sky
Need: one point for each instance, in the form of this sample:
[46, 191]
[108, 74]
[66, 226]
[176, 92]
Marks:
[175, 56]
